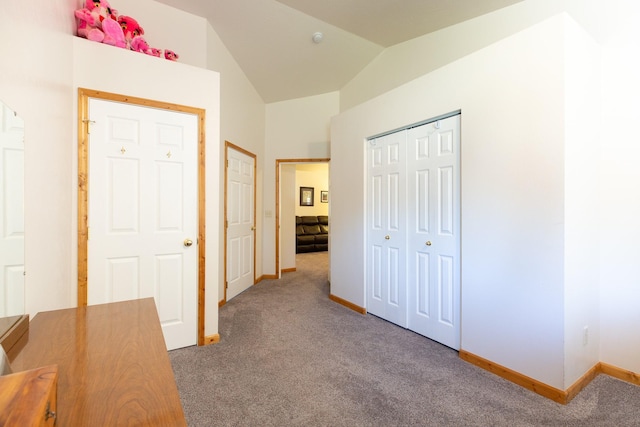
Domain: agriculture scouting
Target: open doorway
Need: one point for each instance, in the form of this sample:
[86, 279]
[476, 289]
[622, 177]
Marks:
[302, 189]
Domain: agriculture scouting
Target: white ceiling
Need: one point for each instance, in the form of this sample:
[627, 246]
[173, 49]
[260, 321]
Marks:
[271, 39]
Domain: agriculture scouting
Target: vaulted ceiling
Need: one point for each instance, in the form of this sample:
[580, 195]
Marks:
[272, 39]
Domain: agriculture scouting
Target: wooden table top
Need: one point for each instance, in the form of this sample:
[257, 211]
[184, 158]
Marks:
[113, 364]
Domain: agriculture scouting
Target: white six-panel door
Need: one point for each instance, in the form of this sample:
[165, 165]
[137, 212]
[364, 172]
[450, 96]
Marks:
[12, 292]
[433, 231]
[386, 253]
[240, 222]
[143, 212]
[413, 222]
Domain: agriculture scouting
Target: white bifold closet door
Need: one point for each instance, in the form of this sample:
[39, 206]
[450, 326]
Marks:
[386, 221]
[413, 222]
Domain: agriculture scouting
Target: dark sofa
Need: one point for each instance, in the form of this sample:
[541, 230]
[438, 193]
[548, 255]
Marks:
[312, 233]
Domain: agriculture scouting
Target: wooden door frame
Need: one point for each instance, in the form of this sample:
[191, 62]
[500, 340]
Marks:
[83, 188]
[278, 162]
[231, 145]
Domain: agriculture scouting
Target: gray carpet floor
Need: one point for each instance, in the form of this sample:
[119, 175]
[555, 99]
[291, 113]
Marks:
[289, 356]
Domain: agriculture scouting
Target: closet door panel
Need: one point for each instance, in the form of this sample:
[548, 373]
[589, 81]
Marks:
[433, 227]
[386, 222]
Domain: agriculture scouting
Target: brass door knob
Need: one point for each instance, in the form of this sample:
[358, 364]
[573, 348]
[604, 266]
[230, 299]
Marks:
[387, 237]
[428, 243]
[188, 242]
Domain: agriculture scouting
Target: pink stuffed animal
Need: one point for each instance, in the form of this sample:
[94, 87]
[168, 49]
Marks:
[170, 55]
[97, 22]
[130, 28]
[139, 44]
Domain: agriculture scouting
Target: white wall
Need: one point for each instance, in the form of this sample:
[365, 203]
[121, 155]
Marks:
[581, 222]
[242, 122]
[295, 129]
[511, 96]
[620, 188]
[166, 27]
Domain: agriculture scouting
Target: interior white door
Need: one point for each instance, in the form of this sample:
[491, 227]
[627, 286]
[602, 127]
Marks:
[386, 242]
[143, 208]
[240, 221]
[434, 230]
[12, 293]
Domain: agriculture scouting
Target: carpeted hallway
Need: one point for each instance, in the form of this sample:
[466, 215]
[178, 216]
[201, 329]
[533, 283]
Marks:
[289, 356]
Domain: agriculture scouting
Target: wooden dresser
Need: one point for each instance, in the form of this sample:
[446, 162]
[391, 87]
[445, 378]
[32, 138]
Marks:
[15, 333]
[113, 365]
[28, 398]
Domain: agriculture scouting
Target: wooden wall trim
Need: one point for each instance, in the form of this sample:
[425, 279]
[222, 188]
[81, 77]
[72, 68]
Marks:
[212, 339]
[619, 373]
[582, 382]
[522, 380]
[202, 215]
[545, 390]
[348, 304]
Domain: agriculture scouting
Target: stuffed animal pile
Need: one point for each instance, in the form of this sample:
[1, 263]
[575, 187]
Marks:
[99, 22]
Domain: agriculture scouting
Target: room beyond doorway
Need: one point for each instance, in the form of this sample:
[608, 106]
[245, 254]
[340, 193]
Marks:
[315, 201]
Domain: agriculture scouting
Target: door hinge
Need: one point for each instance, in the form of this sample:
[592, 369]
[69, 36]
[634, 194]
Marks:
[88, 122]
[88, 233]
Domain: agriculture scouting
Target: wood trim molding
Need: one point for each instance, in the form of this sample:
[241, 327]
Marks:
[83, 193]
[212, 339]
[202, 215]
[619, 373]
[221, 303]
[288, 270]
[268, 277]
[582, 382]
[348, 304]
[557, 395]
[516, 377]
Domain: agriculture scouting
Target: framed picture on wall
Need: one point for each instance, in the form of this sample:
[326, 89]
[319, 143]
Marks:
[306, 196]
[324, 197]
